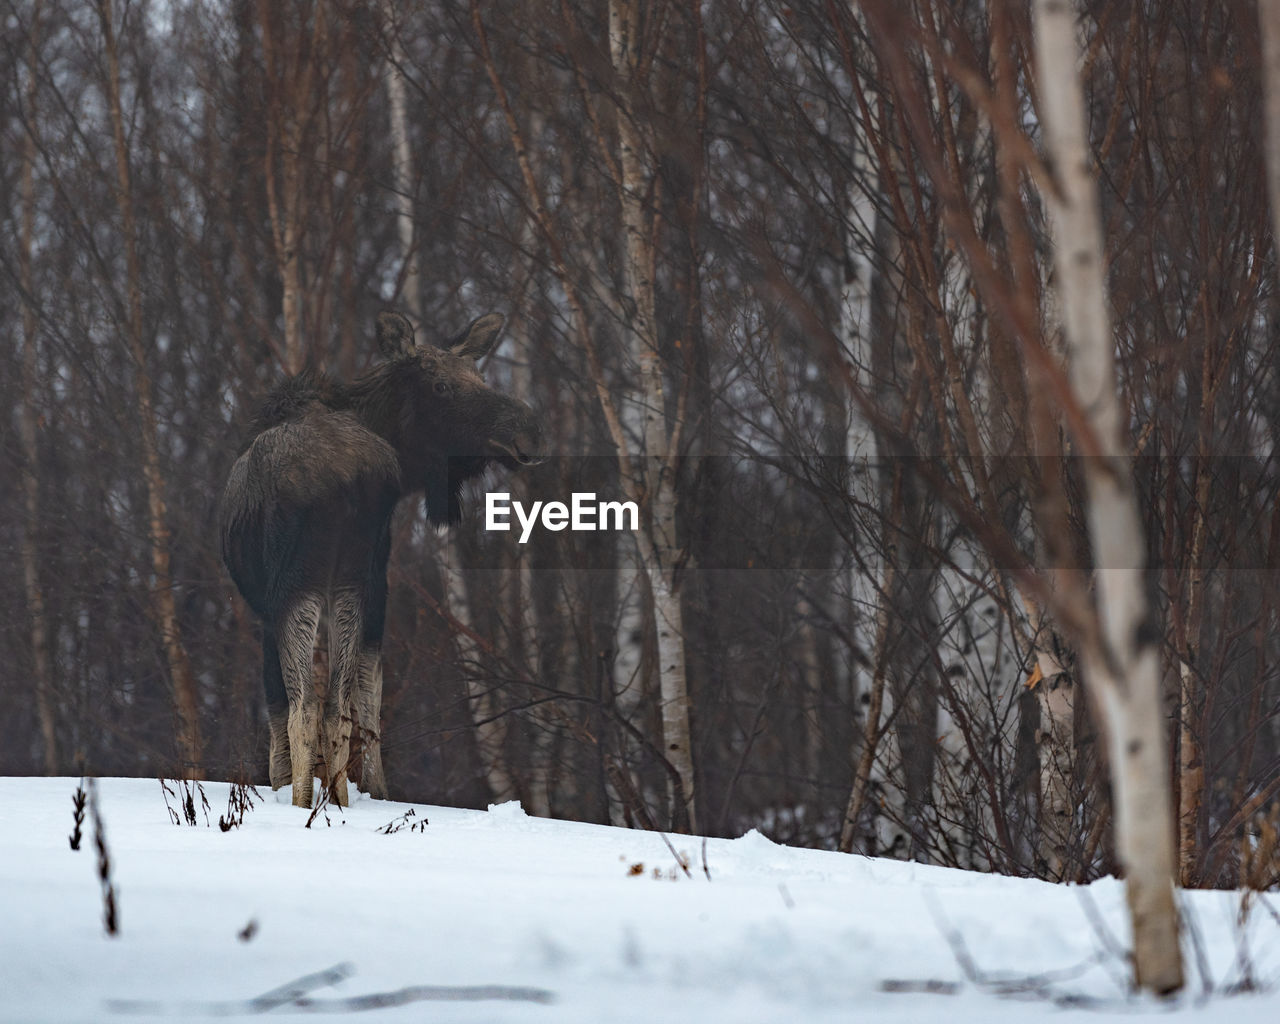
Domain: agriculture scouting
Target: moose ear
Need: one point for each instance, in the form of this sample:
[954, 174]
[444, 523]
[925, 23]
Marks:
[395, 335]
[478, 339]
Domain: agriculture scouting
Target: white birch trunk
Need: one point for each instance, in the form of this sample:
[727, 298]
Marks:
[1120, 658]
[402, 164]
[518, 586]
[656, 540]
[628, 660]
[878, 767]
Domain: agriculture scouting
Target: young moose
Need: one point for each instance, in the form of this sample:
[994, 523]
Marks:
[306, 525]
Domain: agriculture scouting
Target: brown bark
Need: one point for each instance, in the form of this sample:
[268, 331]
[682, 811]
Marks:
[163, 604]
[294, 86]
[28, 432]
[490, 723]
[1269, 20]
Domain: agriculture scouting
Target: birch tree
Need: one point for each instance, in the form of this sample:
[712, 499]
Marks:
[1120, 656]
[646, 435]
[489, 722]
[633, 46]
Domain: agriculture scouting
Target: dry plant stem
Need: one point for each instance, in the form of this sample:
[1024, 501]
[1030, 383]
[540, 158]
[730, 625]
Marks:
[77, 815]
[1122, 664]
[110, 912]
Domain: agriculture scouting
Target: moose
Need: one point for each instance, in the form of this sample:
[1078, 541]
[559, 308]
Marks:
[306, 525]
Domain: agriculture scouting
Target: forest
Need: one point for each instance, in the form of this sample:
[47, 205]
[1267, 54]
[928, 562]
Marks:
[784, 275]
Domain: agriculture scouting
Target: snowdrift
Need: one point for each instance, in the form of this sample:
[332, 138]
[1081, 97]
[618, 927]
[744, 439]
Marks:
[422, 913]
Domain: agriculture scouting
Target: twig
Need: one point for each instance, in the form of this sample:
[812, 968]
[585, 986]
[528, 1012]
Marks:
[110, 916]
[932, 986]
[270, 1000]
[295, 996]
[427, 993]
[399, 824]
[1192, 929]
[1109, 942]
[321, 804]
[1035, 986]
[682, 861]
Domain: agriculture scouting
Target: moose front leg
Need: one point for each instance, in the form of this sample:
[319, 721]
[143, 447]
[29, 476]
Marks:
[297, 641]
[344, 660]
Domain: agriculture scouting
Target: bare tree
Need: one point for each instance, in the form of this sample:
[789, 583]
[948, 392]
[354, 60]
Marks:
[163, 599]
[1120, 654]
[28, 429]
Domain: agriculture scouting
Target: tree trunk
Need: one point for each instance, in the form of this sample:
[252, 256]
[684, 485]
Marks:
[1055, 746]
[1269, 19]
[28, 430]
[1190, 699]
[657, 542]
[1121, 659]
[402, 165]
[163, 603]
[490, 725]
[293, 79]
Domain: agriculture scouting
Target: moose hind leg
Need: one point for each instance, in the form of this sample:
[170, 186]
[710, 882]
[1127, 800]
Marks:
[368, 715]
[297, 640]
[344, 660]
[279, 768]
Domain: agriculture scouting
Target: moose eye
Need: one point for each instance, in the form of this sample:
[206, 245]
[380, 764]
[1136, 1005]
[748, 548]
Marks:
[440, 387]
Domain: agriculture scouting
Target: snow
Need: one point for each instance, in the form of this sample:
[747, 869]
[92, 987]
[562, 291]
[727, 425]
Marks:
[498, 916]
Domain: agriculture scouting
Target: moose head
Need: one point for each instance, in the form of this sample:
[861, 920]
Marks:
[435, 409]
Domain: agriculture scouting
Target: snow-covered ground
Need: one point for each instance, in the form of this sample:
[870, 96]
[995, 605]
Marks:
[496, 916]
